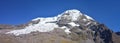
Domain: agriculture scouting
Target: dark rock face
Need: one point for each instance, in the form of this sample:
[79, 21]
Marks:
[103, 33]
[99, 33]
[118, 33]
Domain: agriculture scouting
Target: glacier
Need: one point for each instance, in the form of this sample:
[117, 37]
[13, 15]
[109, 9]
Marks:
[48, 24]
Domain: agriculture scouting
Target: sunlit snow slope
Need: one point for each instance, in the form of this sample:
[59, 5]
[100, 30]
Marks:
[49, 23]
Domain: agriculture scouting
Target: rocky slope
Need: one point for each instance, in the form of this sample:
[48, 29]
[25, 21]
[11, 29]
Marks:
[70, 26]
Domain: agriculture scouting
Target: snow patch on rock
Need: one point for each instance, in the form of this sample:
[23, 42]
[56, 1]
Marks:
[73, 24]
[88, 17]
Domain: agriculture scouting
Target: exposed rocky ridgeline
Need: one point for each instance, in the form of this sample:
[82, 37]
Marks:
[20, 26]
[5, 26]
[118, 33]
[69, 27]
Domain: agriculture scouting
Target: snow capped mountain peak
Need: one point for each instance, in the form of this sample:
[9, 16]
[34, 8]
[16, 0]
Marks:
[49, 23]
[72, 11]
[72, 14]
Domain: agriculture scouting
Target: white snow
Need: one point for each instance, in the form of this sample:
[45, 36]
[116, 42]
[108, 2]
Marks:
[48, 24]
[73, 24]
[88, 17]
[74, 14]
[84, 19]
[63, 27]
[36, 19]
[87, 23]
[67, 31]
[42, 26]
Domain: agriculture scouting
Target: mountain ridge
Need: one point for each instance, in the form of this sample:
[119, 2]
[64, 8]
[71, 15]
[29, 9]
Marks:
[47, 25]
[71, 26]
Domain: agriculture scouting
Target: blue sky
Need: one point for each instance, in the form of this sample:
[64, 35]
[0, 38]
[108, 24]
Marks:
[22, 11]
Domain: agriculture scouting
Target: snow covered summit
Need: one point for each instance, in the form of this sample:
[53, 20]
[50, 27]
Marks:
[70, 17]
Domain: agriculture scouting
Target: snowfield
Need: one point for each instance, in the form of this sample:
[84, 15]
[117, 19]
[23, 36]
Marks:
[49, 23]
